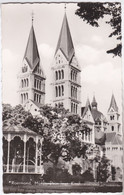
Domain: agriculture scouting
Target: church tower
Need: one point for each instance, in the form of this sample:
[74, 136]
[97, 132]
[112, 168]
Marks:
[31, 77]
[66, 72]
[113, 117]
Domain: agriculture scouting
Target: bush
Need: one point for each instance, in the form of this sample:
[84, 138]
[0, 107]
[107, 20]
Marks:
[88, 175]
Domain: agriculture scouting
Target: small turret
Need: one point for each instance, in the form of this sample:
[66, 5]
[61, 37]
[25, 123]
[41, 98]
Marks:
[94, 103]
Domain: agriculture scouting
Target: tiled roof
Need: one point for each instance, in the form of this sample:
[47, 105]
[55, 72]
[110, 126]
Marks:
[65, 43]
[113, 138]
[96, 114]
[94, 103]
[31, 53]
[84, 109]
[37, 104]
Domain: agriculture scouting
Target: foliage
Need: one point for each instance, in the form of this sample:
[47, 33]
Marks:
[76, 169]
[14, 115]
[103, 171]
[59, 128]
[113, 170]
[88, 175]
[92, 12]
[58, 175]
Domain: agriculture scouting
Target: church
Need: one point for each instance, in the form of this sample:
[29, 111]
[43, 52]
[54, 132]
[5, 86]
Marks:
[104, 132]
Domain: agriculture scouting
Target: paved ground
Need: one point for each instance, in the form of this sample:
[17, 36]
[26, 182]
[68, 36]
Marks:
[62, 188]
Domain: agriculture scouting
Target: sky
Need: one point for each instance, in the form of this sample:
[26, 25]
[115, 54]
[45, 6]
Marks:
[101, 72]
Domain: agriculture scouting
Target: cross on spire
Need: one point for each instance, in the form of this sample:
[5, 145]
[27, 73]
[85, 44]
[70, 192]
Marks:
[65, 7]
[32, 14]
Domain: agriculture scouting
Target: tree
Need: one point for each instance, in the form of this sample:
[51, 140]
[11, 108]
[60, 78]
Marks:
[92, 12]
[59, 132]
[103, 171]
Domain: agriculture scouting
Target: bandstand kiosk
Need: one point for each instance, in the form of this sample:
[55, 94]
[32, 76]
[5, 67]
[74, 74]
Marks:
[22, 154]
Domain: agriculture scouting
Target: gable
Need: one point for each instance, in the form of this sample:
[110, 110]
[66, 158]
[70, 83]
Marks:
[88, 116]
[32, 108]
[111, 110]
[75, 63]
[59, 58]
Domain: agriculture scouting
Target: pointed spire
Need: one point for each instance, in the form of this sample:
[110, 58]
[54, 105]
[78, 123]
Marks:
[87, 102]
[31, 54]
[86, 107]
[32, 17]
[94, 103]
[65, 7]
[65, 43]
[113, 104]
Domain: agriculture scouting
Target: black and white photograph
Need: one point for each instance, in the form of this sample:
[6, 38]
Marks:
[62, 97]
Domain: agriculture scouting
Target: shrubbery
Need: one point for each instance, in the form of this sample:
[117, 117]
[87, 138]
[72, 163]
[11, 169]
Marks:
[62, 176]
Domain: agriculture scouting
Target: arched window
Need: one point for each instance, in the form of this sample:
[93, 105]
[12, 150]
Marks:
[26, 96]
[71, 91]
[71, 107]
[62, 74]
[56, 91]
[56, 75]
[27, 82]
[22, 84]
[35, 97]
[39, 98]
[76, 76]
[59, 91]
[21, 98]
[40, 85]
[37, 84]
[62, 90]
[112, 128]
[76, 93]
[59, 74]
[71, 74]
[74, 108]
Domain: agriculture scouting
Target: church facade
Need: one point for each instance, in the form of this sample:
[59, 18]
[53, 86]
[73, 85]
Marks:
[66, 84]
[31, 78]
[66, 73]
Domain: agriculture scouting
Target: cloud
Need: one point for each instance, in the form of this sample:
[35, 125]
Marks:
[45, 50]
[97, 39]
[104, 72]
[87, 54]
[10, 67]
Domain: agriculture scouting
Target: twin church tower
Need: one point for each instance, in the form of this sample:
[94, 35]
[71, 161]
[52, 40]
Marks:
[65, 72]
[66, 79]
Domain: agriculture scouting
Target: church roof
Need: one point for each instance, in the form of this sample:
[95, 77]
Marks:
[96, 115]
[94, 103]
[37, 104]
[113, 138]
[65, 43]
[84, 109]
[113, 104]
[31, 53]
